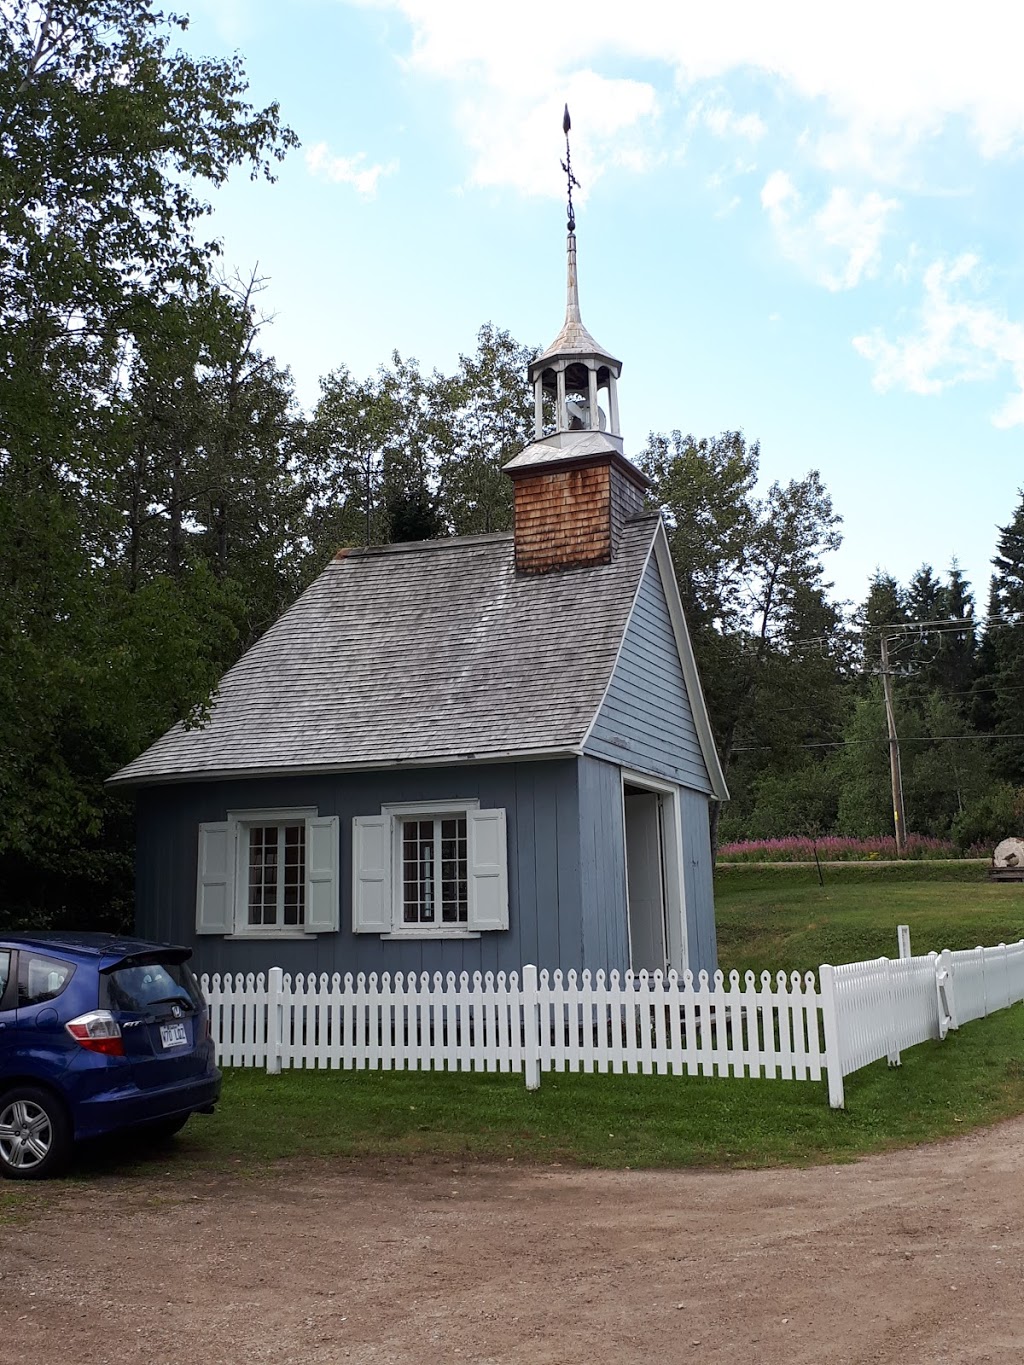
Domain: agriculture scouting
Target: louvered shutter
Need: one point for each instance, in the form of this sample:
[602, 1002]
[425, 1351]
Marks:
[322, 889]
[215, 890]
[371, 874]
[488, 870]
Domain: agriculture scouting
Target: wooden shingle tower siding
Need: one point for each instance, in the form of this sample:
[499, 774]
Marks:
[565, 517]
[574, 487]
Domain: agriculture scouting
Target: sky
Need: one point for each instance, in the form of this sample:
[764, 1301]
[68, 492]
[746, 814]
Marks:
[799, 220]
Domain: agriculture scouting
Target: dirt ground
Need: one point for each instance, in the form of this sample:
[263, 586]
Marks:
[916, 1257]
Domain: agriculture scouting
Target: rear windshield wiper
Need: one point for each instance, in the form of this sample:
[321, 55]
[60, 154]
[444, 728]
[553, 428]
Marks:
[182, 1000]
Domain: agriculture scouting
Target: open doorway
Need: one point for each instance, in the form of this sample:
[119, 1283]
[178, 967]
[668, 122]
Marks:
[653, 881]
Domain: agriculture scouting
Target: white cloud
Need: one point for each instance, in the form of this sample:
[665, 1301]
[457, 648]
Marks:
[840, 244]
[726, 123]
[347, 170]
[513, 145]
[959, 339]
[886, 76]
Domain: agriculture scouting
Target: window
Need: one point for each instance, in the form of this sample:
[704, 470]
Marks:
[41, 978]
[277, 875]
[434, 871]
[268, 873]
[430, 870]
[137, 987]
[5, 970]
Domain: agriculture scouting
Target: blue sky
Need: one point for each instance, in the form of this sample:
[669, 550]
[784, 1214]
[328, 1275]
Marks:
[800, 220]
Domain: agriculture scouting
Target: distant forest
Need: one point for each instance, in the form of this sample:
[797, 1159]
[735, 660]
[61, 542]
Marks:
[163, 497]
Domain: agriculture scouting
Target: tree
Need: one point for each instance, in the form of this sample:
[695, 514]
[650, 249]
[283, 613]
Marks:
[770, 647]
[1000, 682]
[106, 135]
[489, 411]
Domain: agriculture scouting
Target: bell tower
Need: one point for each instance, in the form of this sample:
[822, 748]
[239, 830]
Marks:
[574, 486]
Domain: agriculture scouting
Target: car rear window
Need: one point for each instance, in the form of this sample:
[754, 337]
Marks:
[41, 978]
[138, 987]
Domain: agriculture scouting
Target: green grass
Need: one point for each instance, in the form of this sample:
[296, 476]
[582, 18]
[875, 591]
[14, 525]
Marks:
[767, 918]
[974, 1078]
[784, 918]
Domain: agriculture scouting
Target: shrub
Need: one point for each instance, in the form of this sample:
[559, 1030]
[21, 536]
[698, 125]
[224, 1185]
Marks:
[997, 815]
[833, 848]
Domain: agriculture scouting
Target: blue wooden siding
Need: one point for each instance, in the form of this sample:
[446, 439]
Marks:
[543, 825]
[646, 722]
[698, 889]
[603, 866]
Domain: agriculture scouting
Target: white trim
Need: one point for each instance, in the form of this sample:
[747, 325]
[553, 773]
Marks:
[239, 822]
[674, 885]
[618, 653]
[698, 705]
[274, 934]
[372, 766]
[684, 648]
[397, 812]
[427, 933]
[271, 816]
[399, 809]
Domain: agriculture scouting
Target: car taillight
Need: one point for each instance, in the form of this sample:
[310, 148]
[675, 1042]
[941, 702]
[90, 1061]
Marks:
[98, 1031]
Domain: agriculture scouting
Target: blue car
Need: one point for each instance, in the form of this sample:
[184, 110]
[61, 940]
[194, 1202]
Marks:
[98, 1034]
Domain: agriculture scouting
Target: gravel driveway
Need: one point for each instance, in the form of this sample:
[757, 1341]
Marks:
[916, 1257]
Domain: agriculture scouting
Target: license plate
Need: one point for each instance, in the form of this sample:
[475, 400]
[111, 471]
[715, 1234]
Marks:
[173, 1035]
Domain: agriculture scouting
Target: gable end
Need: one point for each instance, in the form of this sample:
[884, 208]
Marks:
[648, 720]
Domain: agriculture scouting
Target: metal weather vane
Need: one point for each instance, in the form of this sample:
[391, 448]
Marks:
[567, 167]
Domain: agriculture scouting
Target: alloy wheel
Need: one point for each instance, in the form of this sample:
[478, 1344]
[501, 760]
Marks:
[26, 1134]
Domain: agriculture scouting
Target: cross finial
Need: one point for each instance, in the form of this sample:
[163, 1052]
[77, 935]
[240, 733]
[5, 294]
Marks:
[567, 167]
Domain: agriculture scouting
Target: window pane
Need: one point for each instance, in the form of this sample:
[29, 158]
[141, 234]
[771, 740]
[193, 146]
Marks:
[265, 842]
[41, 978]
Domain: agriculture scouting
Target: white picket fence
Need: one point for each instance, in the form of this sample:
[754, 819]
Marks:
[874, 1009]
[776, 1027]
[545, 1021]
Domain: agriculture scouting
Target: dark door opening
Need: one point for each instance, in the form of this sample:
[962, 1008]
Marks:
[645, 878]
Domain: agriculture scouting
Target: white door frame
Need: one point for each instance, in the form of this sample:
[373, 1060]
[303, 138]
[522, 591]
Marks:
[672, 860]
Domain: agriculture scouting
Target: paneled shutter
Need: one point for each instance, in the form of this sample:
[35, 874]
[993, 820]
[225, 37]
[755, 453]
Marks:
[371, 874]
[488, 870]
[215, 891]
[322, 889]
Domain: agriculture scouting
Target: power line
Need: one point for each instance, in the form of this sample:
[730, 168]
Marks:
[848, 743]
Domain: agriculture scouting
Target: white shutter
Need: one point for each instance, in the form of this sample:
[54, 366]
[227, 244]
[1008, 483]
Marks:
[371, 874]
[215, 890]
[322, 890]
[488, 870]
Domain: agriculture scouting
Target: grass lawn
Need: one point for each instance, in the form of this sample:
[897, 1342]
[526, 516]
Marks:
[783, 917]
[974, 1078]
[767, 918]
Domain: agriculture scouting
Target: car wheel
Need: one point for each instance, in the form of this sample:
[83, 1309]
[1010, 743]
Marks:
[35, 1136]
[162, 1130]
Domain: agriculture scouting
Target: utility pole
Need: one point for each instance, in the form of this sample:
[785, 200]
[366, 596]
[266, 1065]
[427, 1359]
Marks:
[898, 814]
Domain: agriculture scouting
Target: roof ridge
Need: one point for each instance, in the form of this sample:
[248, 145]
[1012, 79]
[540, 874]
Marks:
[413, 546]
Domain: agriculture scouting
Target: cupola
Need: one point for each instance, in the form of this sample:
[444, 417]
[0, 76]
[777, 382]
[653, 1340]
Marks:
[574, 487]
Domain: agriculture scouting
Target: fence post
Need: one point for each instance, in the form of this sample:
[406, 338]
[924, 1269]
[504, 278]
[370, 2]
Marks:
[275, 1020]
[833, 1050]
[531, 1033]
[893, 1054]
[947, 991]
[903, 939]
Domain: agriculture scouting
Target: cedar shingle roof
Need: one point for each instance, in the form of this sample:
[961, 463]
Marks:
[414, 653]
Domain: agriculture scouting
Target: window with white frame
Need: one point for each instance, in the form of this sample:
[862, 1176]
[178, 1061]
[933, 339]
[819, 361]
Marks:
[276, 875]
[430, 869]
[435, 887]
[265, 873]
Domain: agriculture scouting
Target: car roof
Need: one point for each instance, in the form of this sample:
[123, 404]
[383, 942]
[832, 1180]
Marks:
[80, 943]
